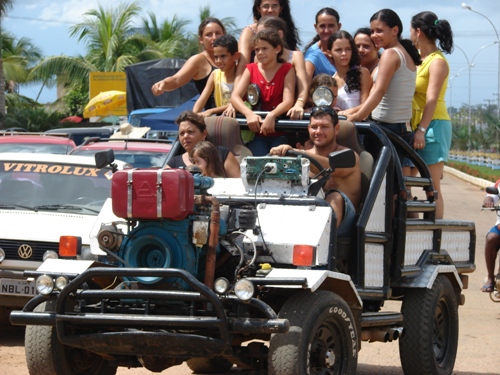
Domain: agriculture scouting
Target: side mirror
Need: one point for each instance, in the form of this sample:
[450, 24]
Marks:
[492, 190]
[342, 159]
[104, 158]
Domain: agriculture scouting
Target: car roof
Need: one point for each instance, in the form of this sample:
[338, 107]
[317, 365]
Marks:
[131, 145]
[54, 158]
[36, 138]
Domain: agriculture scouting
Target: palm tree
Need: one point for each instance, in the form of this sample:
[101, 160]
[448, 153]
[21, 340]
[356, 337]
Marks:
[111, 42]
[168, 37]
[5, 5]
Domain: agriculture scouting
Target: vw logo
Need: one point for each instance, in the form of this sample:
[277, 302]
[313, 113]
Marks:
[25, 251]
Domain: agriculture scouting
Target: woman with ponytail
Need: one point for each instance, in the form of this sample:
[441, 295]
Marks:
[390, 98]
[431, 121]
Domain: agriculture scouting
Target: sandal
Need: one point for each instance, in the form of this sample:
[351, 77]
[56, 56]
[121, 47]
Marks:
[488, 288]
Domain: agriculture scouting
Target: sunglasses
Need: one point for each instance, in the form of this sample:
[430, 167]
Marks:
[323, 109]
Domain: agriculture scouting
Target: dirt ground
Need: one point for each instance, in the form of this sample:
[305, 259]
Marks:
[479, 317]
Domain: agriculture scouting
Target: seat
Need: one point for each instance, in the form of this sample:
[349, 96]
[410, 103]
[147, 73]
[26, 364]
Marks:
[225, 131]
[348, 137]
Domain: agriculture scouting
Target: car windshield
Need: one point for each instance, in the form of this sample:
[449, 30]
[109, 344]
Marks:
[35, 147]
[137, 159]
[53, 186]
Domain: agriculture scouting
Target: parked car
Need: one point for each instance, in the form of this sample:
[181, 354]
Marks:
[36, 142]
[140, 153]
[44, 196]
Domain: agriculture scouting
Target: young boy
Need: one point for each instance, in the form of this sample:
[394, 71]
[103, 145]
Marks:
[221, 80]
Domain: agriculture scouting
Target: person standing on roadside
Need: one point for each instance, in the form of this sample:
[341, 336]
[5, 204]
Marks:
[430, 119]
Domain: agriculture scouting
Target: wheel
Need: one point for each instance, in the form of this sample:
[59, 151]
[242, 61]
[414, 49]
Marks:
[429, 343]
[209, 365]
[322, 339]
[45, 355]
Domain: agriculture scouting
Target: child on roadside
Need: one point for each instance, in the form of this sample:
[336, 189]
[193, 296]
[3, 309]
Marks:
[221, 80]
[276, 81]
[205, 156]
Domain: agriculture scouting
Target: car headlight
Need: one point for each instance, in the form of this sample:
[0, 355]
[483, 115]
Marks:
[61, 282]
[44, 284]
[253, 94]
[322, 96]
[221, 285]
[2, 254]
[244, 289]
[50, 254]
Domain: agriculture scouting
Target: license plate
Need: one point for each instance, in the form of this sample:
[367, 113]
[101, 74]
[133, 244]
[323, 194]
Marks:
[15, 287]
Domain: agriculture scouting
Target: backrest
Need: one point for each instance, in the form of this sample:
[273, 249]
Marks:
[225, 131]
[348, 137]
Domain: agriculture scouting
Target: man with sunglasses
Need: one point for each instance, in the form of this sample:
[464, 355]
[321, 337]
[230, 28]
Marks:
[343, 190]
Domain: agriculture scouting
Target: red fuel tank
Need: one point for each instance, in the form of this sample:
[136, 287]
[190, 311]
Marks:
[152, 193]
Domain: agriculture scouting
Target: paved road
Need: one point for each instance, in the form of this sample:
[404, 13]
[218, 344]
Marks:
[479, 317]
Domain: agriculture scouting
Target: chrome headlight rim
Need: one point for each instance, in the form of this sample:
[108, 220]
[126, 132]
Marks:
[253, 94]
[61, 282]
[44, 285]
[221, 285]
[244, 289]
[322, 96]
[50, 254]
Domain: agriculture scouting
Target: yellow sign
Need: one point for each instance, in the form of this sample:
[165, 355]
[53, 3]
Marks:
[107, 81]
[51, 168]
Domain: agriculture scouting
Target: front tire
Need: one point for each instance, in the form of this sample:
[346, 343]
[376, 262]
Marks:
[429, 344]
[45, 355]
[322, 339]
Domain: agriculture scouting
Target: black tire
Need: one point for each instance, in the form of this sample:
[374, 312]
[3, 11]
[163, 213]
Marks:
[45, 355]
[209, 365]
[429, 344]
[322, 339]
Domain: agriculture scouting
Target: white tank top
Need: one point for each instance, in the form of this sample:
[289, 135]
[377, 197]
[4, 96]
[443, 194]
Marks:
[346, 100]
[395, 106]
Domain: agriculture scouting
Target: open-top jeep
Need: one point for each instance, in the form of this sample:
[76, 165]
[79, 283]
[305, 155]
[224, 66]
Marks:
[250, 271]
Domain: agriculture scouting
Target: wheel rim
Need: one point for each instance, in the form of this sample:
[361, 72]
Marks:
[441, 332]
[82, 361]
[327, 354]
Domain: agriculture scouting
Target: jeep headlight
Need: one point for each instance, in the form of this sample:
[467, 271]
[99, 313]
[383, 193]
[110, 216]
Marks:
[244, 289]
[253, 94]
[322, 96]
[221, 285]
[61, 282]
[44, 285]
[50, 254]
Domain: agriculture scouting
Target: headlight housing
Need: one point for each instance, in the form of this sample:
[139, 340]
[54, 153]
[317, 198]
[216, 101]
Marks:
[253, 94]
[244, 289]
[221, 285]
[44, 285]
[61, 282]
[323, 96]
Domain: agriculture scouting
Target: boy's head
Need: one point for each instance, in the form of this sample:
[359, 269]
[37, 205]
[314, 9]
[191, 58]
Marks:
[226, 52]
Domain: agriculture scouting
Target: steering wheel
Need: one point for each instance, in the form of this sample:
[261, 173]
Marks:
[313, 161]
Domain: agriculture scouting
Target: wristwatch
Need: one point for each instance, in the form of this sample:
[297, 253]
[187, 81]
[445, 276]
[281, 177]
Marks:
[422, 129]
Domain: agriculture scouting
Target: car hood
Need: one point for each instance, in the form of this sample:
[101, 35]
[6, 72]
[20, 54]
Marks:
[44, 226]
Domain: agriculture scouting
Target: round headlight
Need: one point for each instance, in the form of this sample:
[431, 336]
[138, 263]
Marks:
[61, 282]
[253, 94]
[2, 254]
[44, 285]
[322, 96]
[50, 254]
[244, 289]
[221, 285]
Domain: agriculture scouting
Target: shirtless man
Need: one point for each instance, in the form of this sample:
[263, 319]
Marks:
[343, 190]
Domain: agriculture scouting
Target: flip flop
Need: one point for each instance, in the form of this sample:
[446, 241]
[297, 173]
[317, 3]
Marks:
[488, 288]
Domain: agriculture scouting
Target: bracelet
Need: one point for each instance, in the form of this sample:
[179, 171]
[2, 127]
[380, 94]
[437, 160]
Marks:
[300, 99]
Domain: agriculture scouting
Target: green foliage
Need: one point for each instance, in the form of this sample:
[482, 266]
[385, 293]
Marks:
[30, 116]
[475, 170]
[75, 101]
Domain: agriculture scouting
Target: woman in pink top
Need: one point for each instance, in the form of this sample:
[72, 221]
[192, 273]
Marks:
[276, 81]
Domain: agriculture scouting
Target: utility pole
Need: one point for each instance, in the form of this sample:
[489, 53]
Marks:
[489, 103]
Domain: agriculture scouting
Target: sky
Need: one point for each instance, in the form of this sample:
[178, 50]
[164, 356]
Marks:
[46, 23]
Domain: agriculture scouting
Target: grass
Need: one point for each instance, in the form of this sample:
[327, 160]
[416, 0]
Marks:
[475, 170]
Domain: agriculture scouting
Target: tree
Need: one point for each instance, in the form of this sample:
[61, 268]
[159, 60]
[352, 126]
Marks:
[5, 5]
[168, 37]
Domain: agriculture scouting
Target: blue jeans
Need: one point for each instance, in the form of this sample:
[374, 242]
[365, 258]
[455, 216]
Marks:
[260, 146]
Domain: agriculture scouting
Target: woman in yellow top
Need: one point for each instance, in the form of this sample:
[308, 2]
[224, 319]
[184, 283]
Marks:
[430, 120]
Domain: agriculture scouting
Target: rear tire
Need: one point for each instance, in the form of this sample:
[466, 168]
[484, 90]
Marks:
[429, 344]
[209, 365]
[322, 339]
[45, 355]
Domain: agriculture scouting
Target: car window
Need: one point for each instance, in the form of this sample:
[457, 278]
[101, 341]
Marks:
[137, 159]
[38, 184]
[35, 147]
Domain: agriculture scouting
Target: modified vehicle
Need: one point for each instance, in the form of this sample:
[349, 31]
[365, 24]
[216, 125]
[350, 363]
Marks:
[250, 272]
[44, 196]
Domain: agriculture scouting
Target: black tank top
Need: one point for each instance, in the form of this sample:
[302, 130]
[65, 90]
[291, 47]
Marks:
[200, 86]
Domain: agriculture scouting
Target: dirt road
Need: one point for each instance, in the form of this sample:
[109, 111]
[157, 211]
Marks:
[479, 317]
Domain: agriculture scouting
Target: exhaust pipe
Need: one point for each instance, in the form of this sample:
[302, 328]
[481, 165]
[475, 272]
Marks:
[382, 335]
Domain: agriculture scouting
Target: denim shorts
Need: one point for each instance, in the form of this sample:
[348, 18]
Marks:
[348, 221]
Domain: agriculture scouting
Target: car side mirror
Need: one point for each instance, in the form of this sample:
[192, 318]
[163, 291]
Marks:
[492, 190]
[342, 159]
[104, 158]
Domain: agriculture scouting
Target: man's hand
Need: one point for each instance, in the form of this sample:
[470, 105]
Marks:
[280, 150]
[157, 88]
[488, 202]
